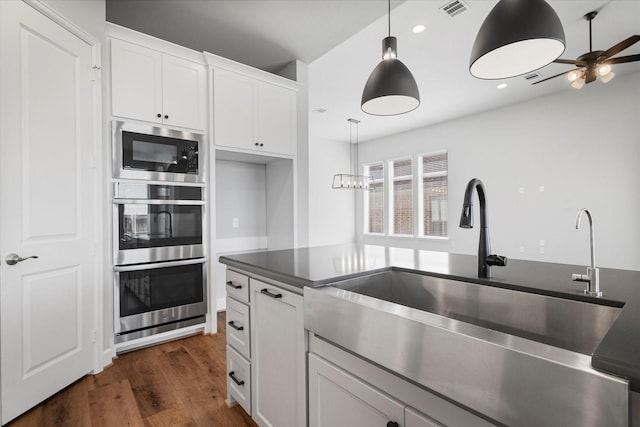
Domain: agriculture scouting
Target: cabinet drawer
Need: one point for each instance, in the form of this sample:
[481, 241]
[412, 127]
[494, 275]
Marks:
[237, 286]
[238, 327]
[238, 379]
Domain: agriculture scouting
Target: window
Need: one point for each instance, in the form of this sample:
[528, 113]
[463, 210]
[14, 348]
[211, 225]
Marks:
[434, 195]
[417, 209]
[374, 199]
[402, 190]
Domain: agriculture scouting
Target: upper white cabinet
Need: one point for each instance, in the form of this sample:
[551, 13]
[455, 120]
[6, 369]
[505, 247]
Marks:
[156, 87]
[252, 114]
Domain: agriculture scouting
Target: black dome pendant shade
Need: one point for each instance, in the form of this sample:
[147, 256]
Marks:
[517, 37]
[390, 89]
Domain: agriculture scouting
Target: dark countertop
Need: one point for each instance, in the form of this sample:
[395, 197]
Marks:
[618, 353]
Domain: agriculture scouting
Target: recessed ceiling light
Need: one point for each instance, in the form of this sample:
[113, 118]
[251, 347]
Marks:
[419, 29]
[502, 85]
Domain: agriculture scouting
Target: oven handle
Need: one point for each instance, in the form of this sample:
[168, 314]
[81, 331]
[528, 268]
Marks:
[157, 202]
[138, 267]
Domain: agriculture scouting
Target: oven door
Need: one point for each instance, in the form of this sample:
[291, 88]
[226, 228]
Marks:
[150, 295]
[157, 230]
[158, 154]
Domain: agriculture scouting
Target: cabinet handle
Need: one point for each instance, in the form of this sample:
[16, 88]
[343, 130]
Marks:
[159, 115]
[270, 294]
[256, 144]
[230, 283]
[261, 144]
[235, 380]
[392, 424]
[233, 325]
[166, 116]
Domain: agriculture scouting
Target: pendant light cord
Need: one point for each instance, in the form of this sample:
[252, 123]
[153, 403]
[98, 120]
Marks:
[389, 17]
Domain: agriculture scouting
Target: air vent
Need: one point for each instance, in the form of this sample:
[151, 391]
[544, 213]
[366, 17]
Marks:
[532, 76]
[454, 8]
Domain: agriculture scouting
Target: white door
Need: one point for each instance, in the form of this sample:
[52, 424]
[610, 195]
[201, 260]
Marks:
[338, 399]
[136, 82]
[183, 92]
[47, 208]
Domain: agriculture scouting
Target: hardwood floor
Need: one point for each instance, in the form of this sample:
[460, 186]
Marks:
[179, 383]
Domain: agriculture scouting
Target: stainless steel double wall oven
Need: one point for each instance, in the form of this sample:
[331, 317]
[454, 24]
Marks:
[158, 230]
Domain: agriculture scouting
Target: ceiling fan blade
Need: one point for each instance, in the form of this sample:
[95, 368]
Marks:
[553, 77]
[570, 61]
[619, 47]
[623, 59]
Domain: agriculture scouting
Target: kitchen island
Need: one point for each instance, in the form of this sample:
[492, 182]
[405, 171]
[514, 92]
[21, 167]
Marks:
[617, 353]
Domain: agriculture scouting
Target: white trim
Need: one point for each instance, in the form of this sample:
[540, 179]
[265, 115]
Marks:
[61, 20]
[216, 61]
[131, 36]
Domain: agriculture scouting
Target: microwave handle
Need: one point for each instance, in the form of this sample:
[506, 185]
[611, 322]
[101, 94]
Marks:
[157, 202]
[138, 267]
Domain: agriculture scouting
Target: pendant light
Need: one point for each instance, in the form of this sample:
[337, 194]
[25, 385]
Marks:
[390, 89]
[351, 180]
[517, 37]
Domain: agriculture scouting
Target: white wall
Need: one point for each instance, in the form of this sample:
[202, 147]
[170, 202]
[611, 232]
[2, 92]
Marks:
[331, 212]
[582, 146]
[241, 194]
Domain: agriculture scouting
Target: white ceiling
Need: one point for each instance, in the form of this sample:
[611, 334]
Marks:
[341, 40]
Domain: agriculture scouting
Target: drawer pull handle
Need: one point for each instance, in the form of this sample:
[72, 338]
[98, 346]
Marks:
[392, 424]
[234, 326]
[270, 294]
[235, 380]
[234, 286]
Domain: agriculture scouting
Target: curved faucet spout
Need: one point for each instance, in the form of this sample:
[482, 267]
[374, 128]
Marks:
[485, 261]
[591, 234]
[592, 278]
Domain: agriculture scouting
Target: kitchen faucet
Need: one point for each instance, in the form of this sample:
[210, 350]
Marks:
[592, 278]
[485, 261]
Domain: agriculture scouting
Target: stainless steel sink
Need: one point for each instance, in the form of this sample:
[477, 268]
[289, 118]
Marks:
[514, 357]
[564, 323]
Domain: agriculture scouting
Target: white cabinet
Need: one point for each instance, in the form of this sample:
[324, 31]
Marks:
[252, 114]
[413, 418]
[278, 349]
[155, 87]
[238, 340]
[346, 390]
[338, 399]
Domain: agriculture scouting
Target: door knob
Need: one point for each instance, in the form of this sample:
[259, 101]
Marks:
[13, 259]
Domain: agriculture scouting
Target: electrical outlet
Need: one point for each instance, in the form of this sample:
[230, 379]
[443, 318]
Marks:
[236, 222]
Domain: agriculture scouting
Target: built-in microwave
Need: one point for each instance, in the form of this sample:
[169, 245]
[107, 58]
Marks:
[157, 222]
[156, 154]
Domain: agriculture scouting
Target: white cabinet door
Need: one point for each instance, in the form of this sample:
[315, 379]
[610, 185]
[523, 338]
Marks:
[253, 115]
[338, 399]
[136, 82]
[277, 357]
[414, 418]
[183, 93]
[48, 183]
[234, 110]
[276, 119]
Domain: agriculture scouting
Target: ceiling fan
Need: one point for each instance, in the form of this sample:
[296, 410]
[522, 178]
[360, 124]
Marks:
[595, 63]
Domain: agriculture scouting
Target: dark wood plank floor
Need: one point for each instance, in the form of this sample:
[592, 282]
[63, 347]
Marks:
[179, 383]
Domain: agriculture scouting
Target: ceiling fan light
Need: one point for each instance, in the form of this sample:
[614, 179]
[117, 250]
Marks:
[607, 77]
[573, 75]
[578, 83]
[604, 69]
[517, 37]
